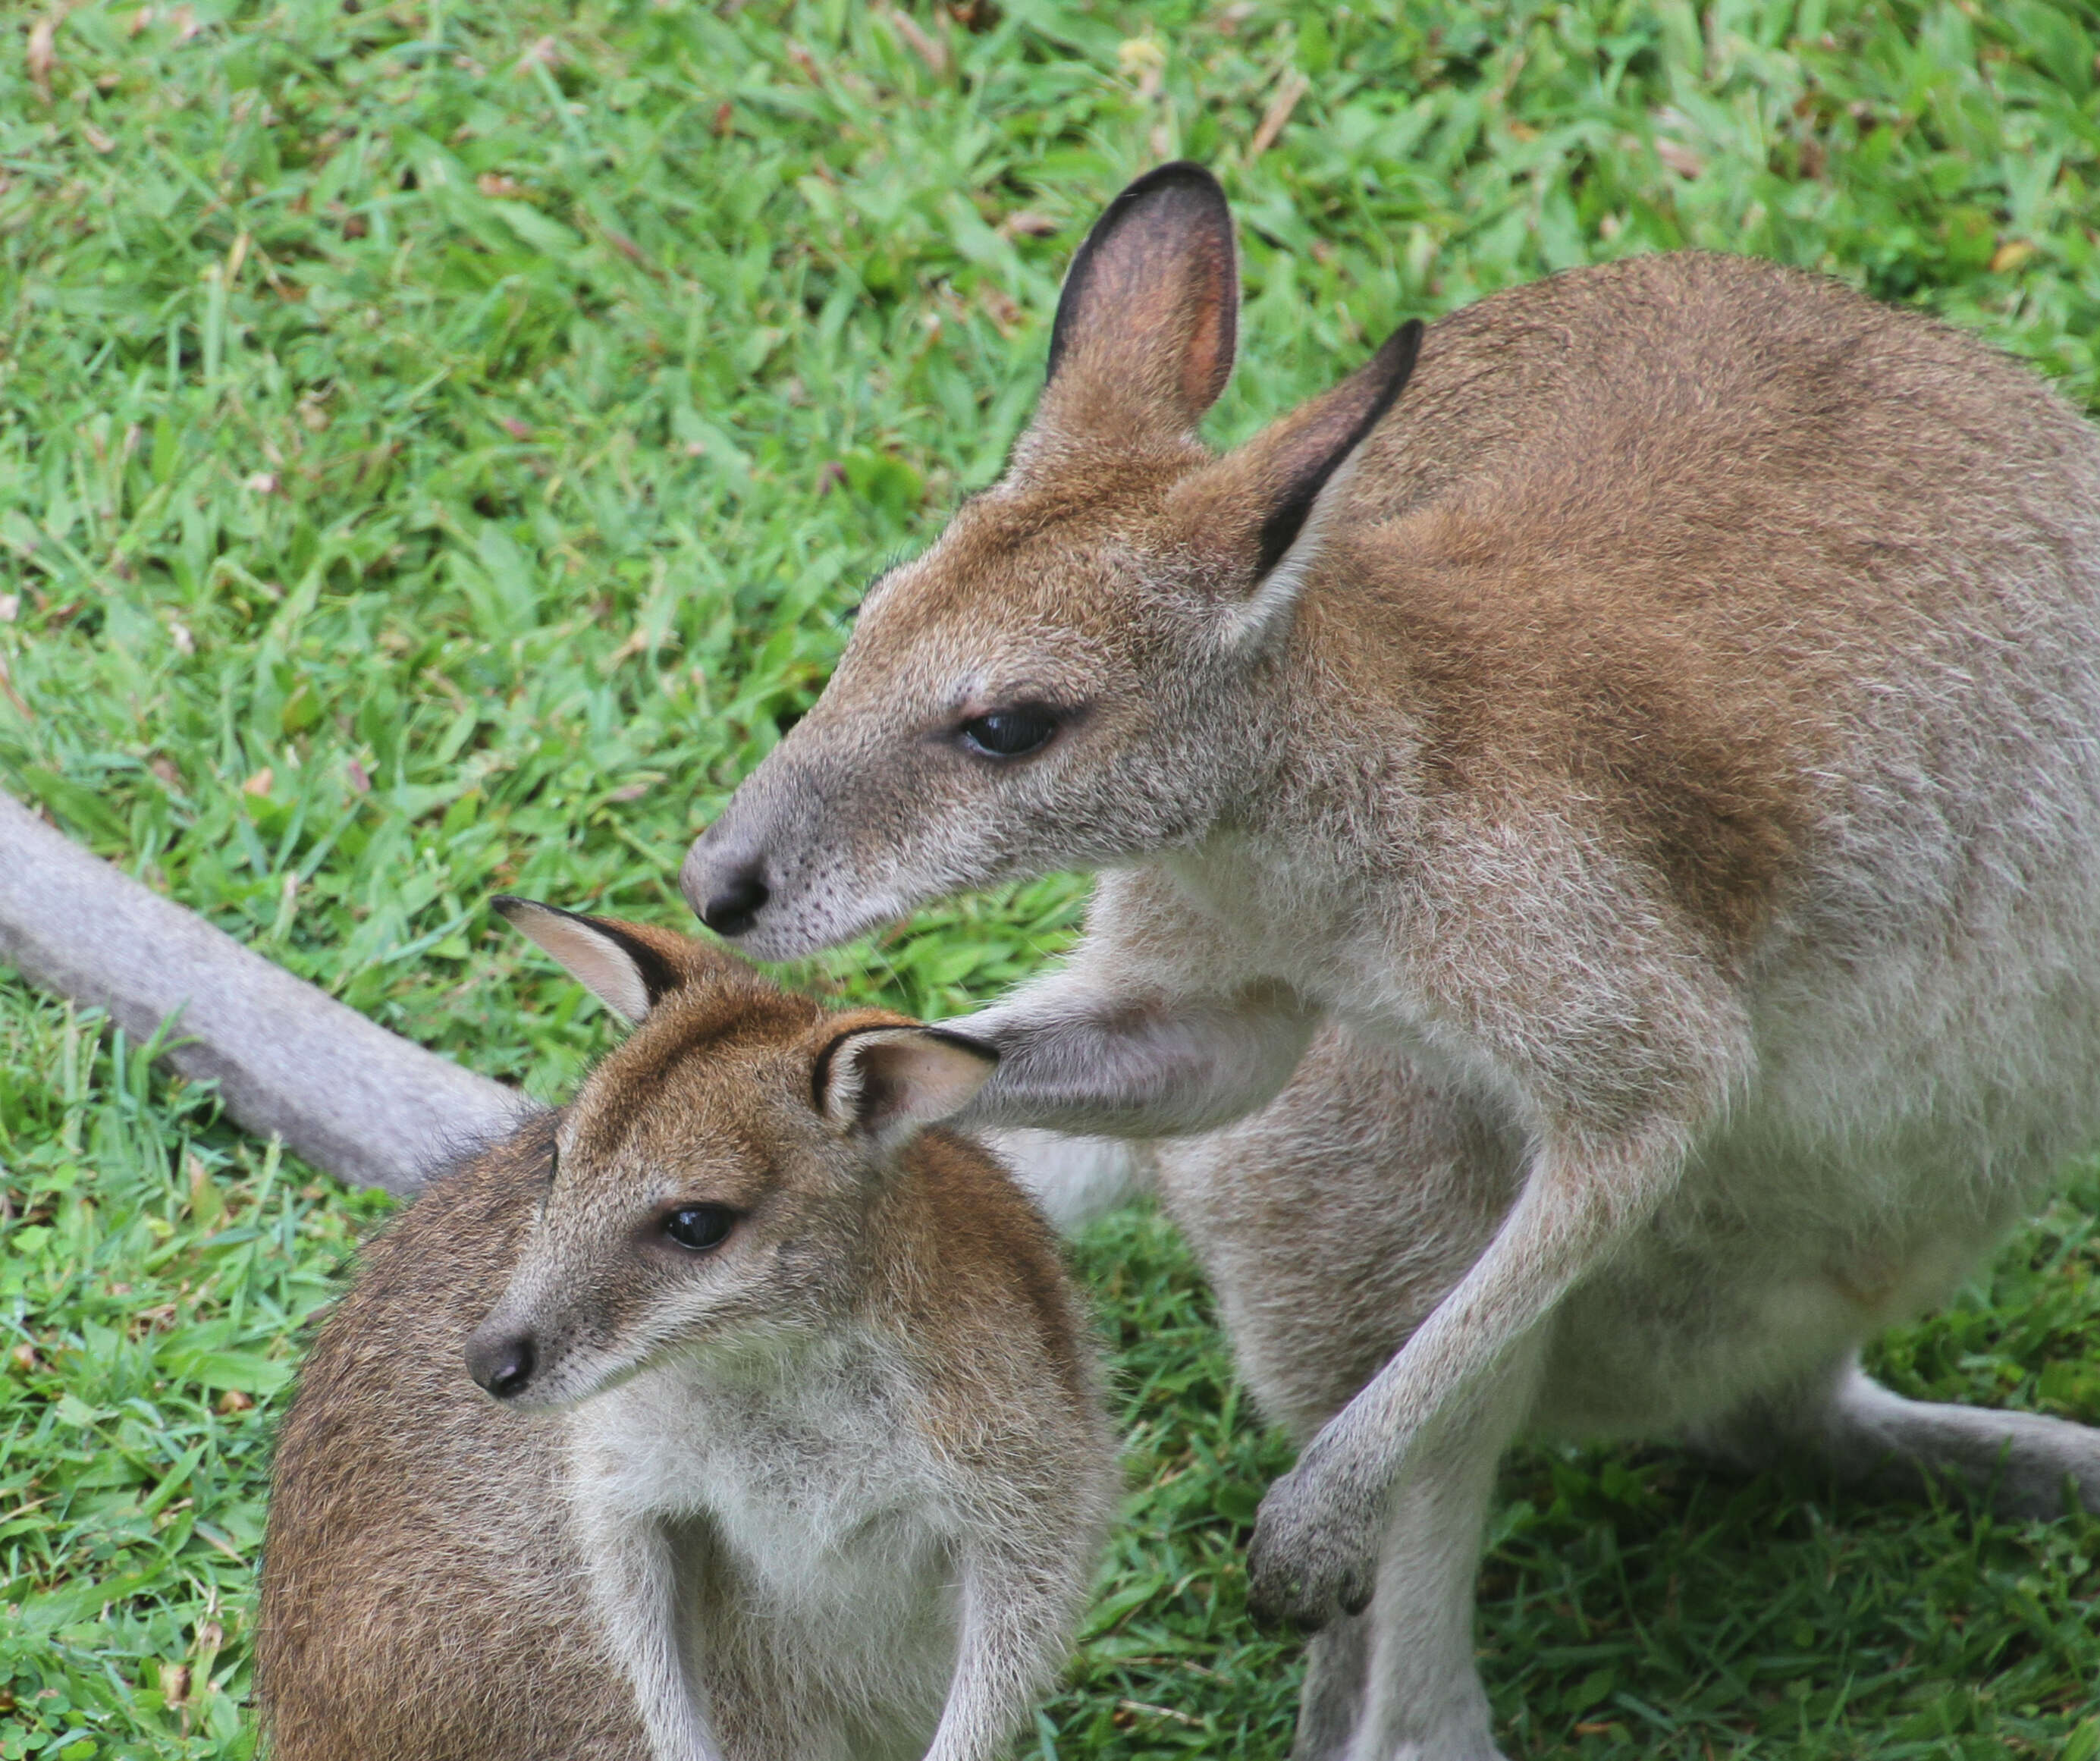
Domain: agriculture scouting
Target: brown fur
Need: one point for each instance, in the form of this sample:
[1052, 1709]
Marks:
[422, 1597]
[1659, 783]
[406, 1610]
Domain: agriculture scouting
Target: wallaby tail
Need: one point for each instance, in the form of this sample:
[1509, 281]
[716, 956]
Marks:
[1073, 1179]
[344, 1093]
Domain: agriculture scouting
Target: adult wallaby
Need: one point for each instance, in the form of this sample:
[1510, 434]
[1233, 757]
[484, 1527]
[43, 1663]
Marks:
[1657, 766]
[796, 1451]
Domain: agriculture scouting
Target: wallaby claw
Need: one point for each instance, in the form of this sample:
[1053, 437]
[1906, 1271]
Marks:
[1309, 1563]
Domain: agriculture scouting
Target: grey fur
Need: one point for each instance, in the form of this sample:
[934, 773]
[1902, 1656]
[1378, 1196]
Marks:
[1659, 796]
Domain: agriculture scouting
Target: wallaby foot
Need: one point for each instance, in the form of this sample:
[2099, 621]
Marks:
[1330, 1711]
[1342, 1717]
[1844, 1422]
[1337, 1662]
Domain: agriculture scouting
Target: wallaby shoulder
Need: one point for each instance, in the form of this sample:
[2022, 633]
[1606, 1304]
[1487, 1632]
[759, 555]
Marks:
[973, 1273]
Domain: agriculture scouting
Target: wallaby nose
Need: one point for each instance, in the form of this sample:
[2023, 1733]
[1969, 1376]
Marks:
[503, 1366]
[726, 888]
[734, 906]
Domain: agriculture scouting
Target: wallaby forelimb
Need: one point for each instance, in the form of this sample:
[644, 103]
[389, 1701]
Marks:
[344, 1093]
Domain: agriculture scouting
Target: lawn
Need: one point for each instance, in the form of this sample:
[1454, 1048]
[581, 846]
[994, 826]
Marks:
[441, 445]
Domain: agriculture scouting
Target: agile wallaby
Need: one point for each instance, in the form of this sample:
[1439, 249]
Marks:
[805, 1460]
[1652, 763]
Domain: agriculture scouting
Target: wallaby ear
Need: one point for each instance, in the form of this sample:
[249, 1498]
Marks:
[630, 968]
[888, 1084]
[1142, 342]
[1267, 497]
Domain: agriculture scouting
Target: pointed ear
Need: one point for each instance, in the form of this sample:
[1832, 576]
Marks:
[1268, 498]
[888, 1084]
[629, 968]
[1143, 343]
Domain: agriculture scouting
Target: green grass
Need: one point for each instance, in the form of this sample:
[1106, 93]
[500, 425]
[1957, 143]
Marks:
[440, 446]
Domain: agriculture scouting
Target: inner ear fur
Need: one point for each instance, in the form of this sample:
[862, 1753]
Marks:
[1149, 313]
[889, 1080]
[629, 966]
[1262, 498]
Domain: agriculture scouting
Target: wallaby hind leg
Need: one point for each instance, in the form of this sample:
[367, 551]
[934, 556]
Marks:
[1338, 1661]
[1843, 1421]
[1422, 1700]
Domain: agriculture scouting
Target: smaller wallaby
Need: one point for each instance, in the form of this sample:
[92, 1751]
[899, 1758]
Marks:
[796, 1451]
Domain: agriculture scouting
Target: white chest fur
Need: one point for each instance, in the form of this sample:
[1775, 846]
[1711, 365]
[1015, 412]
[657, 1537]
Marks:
[776, 1517]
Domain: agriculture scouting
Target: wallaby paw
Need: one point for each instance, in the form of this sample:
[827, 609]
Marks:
[1312, 1557]
[1468, 1741]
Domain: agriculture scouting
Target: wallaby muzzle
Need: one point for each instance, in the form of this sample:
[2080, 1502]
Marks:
[811, 848]
[771, 860]
[501, 1361]
[723, 880]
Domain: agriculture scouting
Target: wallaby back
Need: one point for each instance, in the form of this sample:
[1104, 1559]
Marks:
[420, 1596]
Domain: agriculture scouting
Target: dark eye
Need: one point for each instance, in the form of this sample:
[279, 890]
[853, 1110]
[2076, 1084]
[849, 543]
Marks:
[1008, 732]
[700, 1227]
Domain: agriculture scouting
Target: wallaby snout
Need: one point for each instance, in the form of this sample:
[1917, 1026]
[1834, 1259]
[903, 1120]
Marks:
[501, 1360]
[771, 860]
[724, 877]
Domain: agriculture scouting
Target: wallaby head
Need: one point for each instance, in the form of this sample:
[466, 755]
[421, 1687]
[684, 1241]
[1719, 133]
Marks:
[1064, 679]
[707, 1189]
